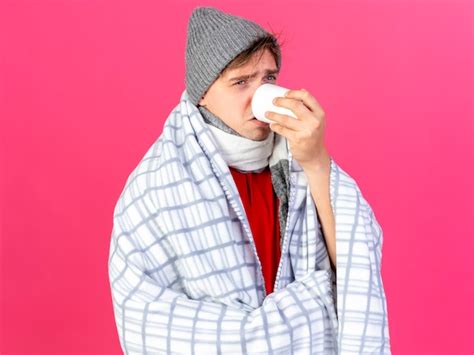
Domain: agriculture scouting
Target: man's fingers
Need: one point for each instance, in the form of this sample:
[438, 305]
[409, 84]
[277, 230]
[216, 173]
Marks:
[297, 106]
[283, 131]
[307, 98]
[284, 120]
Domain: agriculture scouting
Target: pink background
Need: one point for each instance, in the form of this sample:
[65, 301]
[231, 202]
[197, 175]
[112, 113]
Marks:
[85, 87]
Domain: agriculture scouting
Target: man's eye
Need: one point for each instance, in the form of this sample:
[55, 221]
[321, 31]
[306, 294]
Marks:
[241, 82]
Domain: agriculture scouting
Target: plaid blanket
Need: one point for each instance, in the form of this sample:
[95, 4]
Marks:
[184, 272]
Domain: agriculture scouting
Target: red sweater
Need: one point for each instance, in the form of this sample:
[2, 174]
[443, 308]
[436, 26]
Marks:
[261, 207]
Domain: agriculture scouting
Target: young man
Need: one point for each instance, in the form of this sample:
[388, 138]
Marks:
[225, 234]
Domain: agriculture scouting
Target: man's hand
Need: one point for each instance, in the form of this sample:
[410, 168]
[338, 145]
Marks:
[306, 137]
[306, 133]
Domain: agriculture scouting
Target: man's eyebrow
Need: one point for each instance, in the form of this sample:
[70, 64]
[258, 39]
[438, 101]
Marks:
[253, 75]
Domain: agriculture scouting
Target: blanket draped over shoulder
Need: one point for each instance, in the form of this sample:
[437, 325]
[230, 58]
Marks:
[185, 276]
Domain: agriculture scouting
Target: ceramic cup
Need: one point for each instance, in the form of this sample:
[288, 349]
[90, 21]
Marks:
[262, 101]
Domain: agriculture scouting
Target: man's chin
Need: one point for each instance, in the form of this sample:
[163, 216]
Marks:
[259, 134]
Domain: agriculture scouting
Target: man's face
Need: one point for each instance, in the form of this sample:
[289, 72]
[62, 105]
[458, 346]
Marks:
[230, 96]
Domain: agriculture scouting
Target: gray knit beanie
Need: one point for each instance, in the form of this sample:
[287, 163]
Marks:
[214, 39]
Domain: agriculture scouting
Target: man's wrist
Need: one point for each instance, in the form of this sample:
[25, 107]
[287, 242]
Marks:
[319, 164]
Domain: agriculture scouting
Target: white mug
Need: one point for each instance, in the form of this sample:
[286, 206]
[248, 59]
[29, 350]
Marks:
[262, 101]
